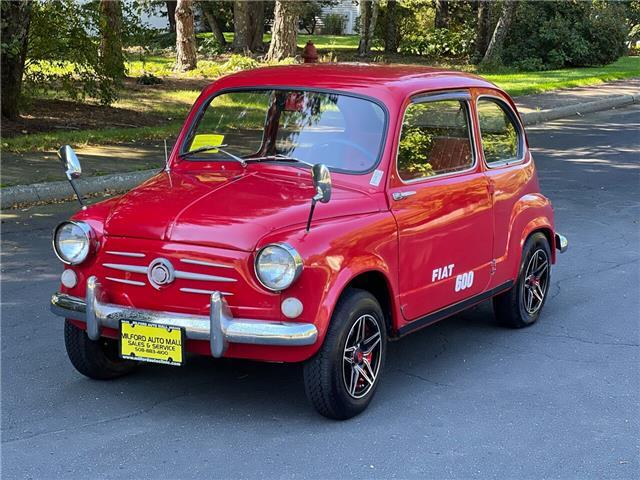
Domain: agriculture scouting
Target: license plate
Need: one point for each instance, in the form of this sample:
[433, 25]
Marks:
[148, 342]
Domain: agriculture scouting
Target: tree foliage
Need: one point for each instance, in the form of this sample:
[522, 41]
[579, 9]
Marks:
[64, 49]
[568, 33]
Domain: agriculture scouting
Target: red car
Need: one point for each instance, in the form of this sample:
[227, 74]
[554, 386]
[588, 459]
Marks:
[312, 213]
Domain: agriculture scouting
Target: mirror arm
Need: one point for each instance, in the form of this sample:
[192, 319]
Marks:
[75, 189]
[313, 207]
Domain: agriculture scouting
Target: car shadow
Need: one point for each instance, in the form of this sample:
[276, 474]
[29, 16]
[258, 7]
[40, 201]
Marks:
[236, 391]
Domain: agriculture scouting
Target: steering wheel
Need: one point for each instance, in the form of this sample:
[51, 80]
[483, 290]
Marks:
[371, 157]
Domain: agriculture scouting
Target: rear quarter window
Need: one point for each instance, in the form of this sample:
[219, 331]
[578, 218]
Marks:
[501, 138]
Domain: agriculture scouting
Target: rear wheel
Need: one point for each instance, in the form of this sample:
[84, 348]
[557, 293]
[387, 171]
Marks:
[521, 305]
[342, 378]
[97, 359]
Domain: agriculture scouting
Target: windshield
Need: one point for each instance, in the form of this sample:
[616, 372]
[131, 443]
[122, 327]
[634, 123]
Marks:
[343, 132]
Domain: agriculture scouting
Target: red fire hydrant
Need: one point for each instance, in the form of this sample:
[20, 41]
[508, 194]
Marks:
[310, 54]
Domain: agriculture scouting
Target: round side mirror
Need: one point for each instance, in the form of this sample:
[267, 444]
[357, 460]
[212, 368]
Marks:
[70, 162]
[322, 182]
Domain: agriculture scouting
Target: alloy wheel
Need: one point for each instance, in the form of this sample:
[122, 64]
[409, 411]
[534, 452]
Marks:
[362, 356]
[536, 281]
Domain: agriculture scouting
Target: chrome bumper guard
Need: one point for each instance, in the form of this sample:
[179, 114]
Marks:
[561, 243]
[219, 328]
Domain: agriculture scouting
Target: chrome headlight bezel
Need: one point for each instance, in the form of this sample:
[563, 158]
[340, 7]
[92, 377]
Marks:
[87, 231]
[296, 265]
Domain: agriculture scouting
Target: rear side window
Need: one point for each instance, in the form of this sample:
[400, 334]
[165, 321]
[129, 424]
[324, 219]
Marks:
[500, 137]
[435, 140]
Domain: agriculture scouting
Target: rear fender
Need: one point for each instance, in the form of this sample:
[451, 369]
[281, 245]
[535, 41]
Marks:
[531, 213]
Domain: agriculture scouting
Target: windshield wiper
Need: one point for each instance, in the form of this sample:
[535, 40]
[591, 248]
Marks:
[206, 148]
[278, 158]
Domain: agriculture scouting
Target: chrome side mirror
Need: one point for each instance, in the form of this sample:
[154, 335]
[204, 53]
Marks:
[72, 169]
[70, 162]
[322, 182]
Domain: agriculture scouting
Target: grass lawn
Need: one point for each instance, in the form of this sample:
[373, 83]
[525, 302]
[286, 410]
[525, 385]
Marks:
[322, 42]
[155, 112]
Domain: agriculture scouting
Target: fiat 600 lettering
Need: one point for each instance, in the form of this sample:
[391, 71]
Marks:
[311, 214]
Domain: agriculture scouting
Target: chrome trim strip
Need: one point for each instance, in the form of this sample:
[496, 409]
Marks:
[204, 292]
[202, 277]
[126, 254]
[128, 282]
[206, 264]
[127, 268]
[219, 327]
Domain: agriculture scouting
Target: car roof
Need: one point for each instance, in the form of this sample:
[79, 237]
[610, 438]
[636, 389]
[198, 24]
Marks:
[378, 81]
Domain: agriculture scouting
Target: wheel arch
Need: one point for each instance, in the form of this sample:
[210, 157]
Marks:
[377, 284]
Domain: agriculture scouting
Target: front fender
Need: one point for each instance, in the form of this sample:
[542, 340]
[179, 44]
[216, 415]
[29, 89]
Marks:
[334, 253]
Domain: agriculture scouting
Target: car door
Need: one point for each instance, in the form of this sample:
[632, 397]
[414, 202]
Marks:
[440, 198]
[510, 171]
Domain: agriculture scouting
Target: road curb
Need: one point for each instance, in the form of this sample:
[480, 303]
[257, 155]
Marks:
[37, 192]
[531, 118]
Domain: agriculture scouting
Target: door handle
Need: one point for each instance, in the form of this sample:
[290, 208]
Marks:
[402, 195]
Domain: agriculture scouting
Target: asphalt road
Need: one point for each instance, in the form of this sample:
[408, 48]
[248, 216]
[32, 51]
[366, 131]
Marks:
[462, 399]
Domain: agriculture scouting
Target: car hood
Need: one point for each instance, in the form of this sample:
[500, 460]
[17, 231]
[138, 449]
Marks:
[225, 209]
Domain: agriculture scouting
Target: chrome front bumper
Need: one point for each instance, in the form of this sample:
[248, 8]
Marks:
[219, 328]
[561, 243]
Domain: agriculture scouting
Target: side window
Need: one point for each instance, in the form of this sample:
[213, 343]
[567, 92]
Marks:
[500, 138]
[434, 140]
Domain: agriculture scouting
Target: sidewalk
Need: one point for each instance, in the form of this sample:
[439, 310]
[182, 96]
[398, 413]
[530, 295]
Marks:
[32, 177]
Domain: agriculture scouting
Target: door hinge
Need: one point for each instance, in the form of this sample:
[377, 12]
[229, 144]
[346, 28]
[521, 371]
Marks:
[493, 267]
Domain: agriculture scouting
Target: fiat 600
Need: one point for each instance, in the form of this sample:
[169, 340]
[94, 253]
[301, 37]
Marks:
[311, 214]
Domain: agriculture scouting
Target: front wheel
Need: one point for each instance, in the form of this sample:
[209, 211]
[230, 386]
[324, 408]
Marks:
[341, 379]
[97, 359]
[521, 305]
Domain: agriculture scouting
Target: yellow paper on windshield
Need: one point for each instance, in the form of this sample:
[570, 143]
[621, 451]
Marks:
[204, 139]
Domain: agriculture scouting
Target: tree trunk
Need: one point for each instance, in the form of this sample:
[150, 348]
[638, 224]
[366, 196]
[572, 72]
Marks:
[215, 28]
[16, 17]
[284, 35]
[111, 56]
[442, 14]
[256, 25]
[391, 31]
[494, 50]
[365, 28]
[185, 37]
[171, 14]
[241, 26]
[484, 27]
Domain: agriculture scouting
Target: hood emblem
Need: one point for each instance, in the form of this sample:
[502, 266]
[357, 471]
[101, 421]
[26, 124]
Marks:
[160, 273]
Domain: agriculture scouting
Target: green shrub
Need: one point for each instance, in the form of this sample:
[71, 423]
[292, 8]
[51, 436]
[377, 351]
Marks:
[558, 34]
[208, 46]
[334, 24]
[439, 42]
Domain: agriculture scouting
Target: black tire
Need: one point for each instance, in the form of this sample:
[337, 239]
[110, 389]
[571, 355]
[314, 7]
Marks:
[94, 359]
[512, 308]
[325, 375]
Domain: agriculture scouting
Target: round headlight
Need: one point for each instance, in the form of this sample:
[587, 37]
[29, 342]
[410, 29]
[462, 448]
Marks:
[278, 266]
[72, 241]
